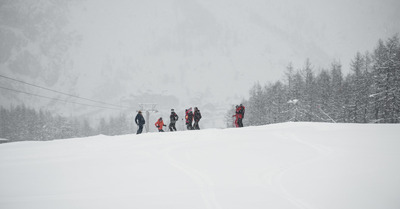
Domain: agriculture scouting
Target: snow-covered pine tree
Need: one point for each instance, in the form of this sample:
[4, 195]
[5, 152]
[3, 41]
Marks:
[360, 89]
[277, 108]
[257, 106]
[387, 81]
[309, 99]
[338, 112]
[356, 82]
[369, 84]
[324, 95]
[289, 73]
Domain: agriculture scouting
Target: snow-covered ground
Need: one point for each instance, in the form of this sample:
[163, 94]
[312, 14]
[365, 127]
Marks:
[290, 165]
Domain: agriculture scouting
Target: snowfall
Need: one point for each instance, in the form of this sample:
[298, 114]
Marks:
[288, 165]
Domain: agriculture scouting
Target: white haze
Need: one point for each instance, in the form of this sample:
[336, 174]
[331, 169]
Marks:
[220, 48]
[181, 53]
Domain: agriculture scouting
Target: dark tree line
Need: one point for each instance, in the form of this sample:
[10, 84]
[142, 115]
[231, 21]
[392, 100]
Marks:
[370, 93]
[21, 123]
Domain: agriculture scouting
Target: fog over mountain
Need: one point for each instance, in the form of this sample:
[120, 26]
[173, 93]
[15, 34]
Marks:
[177, 53]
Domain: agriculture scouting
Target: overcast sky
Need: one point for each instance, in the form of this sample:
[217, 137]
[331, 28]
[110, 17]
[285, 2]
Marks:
[223, 46]
[199, 51]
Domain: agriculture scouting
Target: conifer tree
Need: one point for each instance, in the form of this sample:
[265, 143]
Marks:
[386, 81]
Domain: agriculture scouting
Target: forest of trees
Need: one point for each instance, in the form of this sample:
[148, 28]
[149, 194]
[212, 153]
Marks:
[370, 93]
[21, 123]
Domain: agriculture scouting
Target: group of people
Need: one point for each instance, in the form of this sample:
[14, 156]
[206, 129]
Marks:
[173, 118]
[190, 116]
[239, 115]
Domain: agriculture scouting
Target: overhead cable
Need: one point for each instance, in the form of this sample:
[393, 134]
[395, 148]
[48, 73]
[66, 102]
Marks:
[55, 91]
[55, 99]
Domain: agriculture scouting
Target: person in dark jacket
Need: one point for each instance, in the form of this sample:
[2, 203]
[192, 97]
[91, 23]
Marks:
[173, 118]
[189, 119]
[139, 120]
[197, 117]
[240, 111]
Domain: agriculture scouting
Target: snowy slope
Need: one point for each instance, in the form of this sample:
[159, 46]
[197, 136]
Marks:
[290, 165]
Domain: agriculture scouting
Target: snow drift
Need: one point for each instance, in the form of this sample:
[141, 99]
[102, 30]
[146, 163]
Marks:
[290, 165]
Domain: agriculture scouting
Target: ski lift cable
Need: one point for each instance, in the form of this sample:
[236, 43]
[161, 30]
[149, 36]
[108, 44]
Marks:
[55, 99]
[55, 91]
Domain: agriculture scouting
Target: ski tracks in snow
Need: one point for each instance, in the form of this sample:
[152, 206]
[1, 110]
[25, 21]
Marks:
[204, 183]
[276, 177]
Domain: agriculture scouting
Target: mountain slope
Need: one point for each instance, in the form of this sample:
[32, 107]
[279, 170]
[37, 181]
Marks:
[290, 165]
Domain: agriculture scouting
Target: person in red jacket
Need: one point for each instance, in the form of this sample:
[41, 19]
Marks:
[189, 119]
[160, 124]
[239, 115]
[236, 117]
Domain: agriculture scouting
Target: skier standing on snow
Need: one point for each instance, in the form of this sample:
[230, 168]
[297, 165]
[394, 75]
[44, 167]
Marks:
[139, 120]
[240, 111]
[160, 124]
[237, 117]
[197, 117]
[173, 118]
[189, 119]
